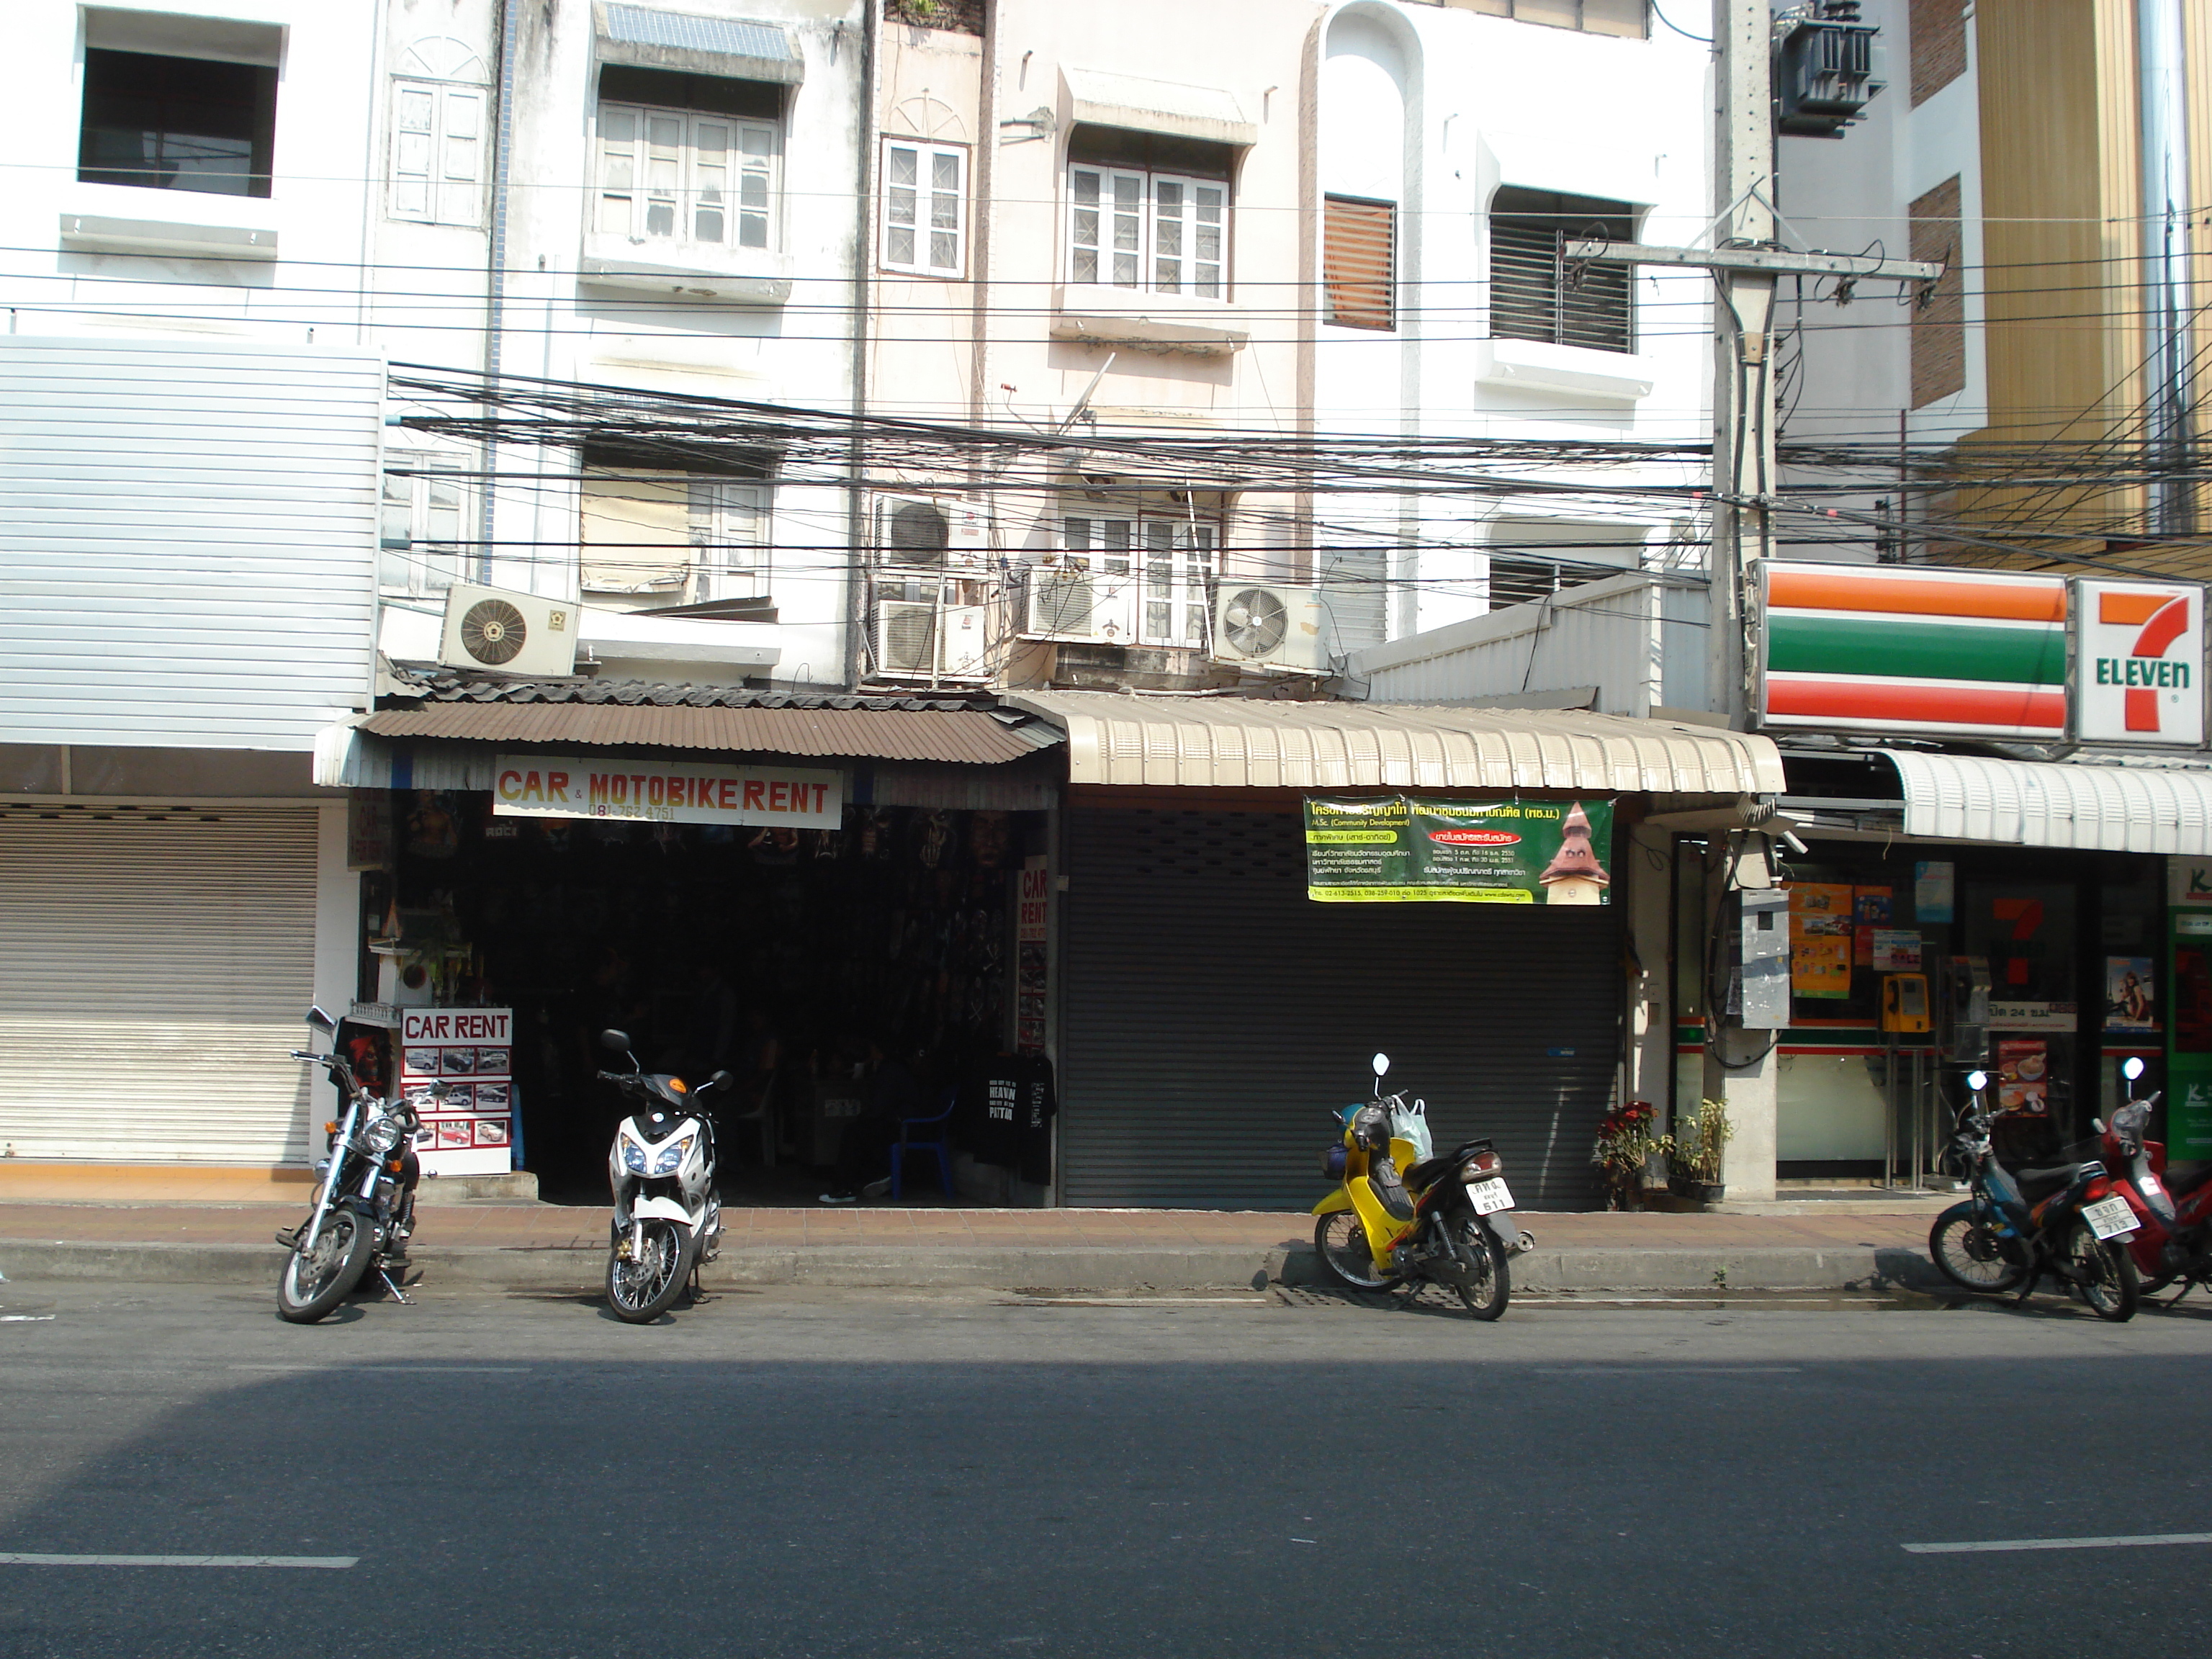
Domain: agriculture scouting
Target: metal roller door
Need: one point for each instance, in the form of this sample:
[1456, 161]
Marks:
[1213, 1011]
[153, 970]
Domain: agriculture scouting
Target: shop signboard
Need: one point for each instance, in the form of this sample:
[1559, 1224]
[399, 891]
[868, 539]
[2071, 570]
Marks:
[470, 1129]
[666, 792]
[2140, 660]
[2189, 1004]
[1396, 849]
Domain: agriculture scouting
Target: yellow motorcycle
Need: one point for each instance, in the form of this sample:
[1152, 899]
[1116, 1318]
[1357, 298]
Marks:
[1402, 1214]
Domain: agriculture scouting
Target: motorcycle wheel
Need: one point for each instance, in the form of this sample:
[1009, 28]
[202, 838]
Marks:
[1485, 1298]
[2110, 1285]
[1341, 1242]
[1970, 1254]
[314, 1282]
[640, 1291]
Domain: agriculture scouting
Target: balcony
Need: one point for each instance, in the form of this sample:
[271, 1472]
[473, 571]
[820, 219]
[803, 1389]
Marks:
[1090, 313]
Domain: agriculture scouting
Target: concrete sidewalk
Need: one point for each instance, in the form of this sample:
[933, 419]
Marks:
[543, 1246]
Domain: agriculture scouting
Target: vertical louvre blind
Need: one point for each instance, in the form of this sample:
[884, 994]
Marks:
[156, 966]
[1536, 293]
[1359, 262]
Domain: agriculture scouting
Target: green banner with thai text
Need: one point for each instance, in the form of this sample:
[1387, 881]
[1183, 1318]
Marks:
[1395, 849]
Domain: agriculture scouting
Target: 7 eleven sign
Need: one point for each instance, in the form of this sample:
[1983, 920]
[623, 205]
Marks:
[2139, 663]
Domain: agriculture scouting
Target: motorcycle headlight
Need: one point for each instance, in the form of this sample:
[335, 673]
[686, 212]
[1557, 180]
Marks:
[671, 1157]
[633, 1157]
[381, 1136]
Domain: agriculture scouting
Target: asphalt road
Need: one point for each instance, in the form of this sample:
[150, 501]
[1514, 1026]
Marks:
[864, 1473]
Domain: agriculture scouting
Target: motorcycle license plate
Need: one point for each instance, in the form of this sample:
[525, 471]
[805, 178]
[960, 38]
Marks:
[2110, 1217]
[1489, 1197]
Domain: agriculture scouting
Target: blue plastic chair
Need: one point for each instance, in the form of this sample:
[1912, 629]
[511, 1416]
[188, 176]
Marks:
[906, 1143]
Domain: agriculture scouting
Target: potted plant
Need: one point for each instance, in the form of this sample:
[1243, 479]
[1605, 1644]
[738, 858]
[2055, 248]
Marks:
[1625, 1144]
[1694, 1153]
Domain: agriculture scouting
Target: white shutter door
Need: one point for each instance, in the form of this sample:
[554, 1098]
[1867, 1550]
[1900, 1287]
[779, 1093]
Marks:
[153, 972]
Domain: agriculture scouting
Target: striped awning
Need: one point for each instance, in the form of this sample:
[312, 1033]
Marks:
[2121, 809]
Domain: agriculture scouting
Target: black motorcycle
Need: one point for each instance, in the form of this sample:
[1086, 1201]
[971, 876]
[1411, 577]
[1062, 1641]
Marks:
[364, 1209]
[2025, 1223]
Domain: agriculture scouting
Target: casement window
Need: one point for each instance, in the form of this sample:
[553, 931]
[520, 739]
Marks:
[1157, 231]
[685, 177]
[437, 153]
[1359, 262]
[1172, 559]
[164, 123]
[925, 208]
[1625, 18]
[673, 538]
[1538, 293]
[420, 523]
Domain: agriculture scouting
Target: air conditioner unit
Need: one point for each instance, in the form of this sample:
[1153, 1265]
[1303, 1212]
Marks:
[488, 629]
[912, 645]
[1256, 626]
[1072, 601]
[922, 532]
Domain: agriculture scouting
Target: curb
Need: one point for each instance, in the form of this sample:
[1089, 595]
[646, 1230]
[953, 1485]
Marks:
[1029, 1268]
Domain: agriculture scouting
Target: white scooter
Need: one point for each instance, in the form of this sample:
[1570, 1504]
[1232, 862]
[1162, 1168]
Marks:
[668, 1218]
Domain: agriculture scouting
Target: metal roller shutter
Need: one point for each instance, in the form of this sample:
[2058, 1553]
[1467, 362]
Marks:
[1213, 1010]
[153, 970]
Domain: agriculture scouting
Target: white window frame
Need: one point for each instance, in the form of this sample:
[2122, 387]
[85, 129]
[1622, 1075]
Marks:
[1153, 237]
[730, 533]
[438, 144]
[1172, 559]
[423, 501]
[937, 240]
[664, 182]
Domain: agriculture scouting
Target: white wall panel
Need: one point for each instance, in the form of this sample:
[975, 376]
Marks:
[187, 540]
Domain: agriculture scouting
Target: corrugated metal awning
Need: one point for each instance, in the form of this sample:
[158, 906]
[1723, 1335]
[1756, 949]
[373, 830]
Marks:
[736, 46]
[964, 737]
[1239, 743]
[2121, 809]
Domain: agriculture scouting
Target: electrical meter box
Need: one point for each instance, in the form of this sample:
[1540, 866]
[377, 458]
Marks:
[1763, 1000]
[1905, 1002]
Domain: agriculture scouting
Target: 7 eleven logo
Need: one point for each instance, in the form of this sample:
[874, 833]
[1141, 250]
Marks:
[2151, 674]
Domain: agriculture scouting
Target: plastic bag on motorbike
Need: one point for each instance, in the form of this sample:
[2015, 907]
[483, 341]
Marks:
[1410, 1122]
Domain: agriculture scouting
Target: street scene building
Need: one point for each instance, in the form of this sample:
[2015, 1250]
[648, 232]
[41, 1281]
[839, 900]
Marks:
[830, 537]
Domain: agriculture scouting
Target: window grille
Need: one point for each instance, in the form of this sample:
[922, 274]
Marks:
[1537, 293]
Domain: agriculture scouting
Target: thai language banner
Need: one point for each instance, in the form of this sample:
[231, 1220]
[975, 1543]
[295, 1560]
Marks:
[1396, 849]
[666, 792]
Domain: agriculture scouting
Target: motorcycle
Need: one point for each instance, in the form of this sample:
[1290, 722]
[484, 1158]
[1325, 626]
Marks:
[668, 1218]
[1401, 1214]
[2173, 1214]
[2066, 1221]
[364, 1210]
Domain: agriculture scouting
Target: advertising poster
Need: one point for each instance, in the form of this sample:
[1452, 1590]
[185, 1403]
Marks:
[1933, 889]
[2131, 1002]
[1392, 849]
[1820, 965]
[2023, 1076]
[1896, 952]
[471, 1050]
[1871, 906]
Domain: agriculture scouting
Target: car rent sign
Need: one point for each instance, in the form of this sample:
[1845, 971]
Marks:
[666, 792]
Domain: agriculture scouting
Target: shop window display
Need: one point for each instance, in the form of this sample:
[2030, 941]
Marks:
[778, 954]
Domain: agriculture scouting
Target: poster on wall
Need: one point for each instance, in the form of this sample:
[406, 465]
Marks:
[2130, 1002]
[2024, 1076]
[468, 1129]
[1933, 889]
[1820, 965]
[1396, 849]
[1896, 950]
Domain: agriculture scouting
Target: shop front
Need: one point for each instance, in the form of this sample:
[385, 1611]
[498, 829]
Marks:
[799, 891]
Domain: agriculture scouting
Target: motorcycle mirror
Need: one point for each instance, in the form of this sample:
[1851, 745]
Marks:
[720, 1080]
[2131, 1068]
[614, 1041]
[321, 1021]
[1382, 1063]
[1977, 1081]
[2097, 1125]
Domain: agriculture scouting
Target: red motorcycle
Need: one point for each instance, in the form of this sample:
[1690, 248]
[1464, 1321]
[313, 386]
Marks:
[2173, 1231]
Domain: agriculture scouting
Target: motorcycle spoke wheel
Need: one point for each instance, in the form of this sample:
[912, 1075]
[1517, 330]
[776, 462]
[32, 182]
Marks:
[1972, 1254]
[2108, 1281]
[1490, 1285]
[642, 1289]
[1341, 1242]
[315, 1281]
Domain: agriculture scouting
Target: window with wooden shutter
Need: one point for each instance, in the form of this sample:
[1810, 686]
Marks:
[1359, 262]
[684, 176]
[1538, 291]
[437, 153]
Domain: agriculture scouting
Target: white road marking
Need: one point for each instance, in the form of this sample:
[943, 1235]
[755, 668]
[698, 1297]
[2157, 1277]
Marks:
[1601, 1369]
[24, 1319]
[1997, 1545]
[327, 1561]
[402, 1371]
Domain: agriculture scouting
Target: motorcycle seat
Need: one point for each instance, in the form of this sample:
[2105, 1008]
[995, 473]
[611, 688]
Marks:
[2048, 1179]
[1383, 1175]
[1430, 1170]
[2183, 1179]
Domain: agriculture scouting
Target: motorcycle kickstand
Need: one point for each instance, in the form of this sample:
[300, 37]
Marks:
[392, 1286]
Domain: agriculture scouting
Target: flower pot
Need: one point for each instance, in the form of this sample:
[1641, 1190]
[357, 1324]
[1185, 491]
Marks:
[1705, 1192]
